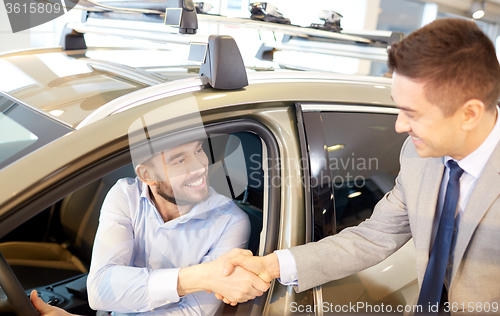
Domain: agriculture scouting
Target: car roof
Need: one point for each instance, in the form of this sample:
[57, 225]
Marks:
[257, 91]
[69, 85]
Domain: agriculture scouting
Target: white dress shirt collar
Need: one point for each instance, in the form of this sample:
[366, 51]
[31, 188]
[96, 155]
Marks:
[199, 211]
[474, 163]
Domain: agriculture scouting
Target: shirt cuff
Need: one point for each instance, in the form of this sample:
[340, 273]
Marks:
[163, 286]
[288, 267]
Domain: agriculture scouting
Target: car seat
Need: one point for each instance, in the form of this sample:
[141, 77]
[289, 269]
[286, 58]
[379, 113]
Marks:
[42, 263]
[236, 171]
[252, 201]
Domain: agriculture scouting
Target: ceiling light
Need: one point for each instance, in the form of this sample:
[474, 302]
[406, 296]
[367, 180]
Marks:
[335, 148]
[56, 112]
[354, 194]
[477, 9]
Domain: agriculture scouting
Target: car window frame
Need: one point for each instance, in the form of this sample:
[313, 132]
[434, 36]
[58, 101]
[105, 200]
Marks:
[121, 157]
[314, 142]
[310, 116]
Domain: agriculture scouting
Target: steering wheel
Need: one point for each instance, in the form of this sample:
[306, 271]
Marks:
[16, 297]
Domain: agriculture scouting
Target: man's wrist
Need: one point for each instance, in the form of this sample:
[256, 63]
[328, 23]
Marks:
[192, 279]
[272, 265]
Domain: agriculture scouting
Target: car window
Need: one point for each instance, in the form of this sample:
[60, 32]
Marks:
[236, 171]
[354, 152]
[363, 151]
[23, 130]
[15, 135]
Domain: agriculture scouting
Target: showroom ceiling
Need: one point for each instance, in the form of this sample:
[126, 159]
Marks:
[463, 7]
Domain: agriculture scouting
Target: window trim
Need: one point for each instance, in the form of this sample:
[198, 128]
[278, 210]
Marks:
[339, 107]
[323, 190]
[68, 183]
[34, 109]
[313, 112]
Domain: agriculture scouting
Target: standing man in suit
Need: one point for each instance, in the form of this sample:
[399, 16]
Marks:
[446, 84]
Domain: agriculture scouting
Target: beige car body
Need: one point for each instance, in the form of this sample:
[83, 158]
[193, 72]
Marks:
[270, 99]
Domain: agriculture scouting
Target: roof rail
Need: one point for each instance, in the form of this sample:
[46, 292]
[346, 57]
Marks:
[153, 11]
[182, 12]
[144, 31]
[267, 50]
[385, 37]
[376, 50]
[292, 30]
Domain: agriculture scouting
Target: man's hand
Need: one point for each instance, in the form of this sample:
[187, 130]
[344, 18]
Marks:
[267, 268]
[240, 286]
[45, 309]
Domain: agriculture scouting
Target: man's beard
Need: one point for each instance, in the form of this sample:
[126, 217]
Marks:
[179, 198]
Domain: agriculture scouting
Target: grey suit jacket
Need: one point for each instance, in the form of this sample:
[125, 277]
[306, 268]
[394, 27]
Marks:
[408, 211]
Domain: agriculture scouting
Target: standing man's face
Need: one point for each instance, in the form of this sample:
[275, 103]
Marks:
[185, 168]
[433, 134]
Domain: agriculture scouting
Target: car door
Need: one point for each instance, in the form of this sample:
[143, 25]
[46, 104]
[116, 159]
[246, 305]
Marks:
[98, 149]
[354, 159]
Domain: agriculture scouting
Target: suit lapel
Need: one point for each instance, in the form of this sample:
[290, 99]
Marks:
[426, 210]
[484, 194]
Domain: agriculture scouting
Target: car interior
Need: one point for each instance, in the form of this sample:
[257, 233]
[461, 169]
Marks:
[52, 251]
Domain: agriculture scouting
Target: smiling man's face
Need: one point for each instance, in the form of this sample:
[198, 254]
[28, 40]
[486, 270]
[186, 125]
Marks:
[433, 133]
[186, 169]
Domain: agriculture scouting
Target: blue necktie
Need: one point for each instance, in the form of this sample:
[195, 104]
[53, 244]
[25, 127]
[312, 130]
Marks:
[432, 286]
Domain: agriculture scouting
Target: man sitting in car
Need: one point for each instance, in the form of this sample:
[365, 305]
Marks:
[159, 235]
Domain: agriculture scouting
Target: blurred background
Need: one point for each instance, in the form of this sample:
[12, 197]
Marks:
[390, 15]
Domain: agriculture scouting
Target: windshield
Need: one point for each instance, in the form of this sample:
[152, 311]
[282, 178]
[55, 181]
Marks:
[23, 130]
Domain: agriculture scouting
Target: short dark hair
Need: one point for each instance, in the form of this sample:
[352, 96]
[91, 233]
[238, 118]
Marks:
[456, 60]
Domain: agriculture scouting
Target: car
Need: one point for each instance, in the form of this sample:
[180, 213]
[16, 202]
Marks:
[303, 154]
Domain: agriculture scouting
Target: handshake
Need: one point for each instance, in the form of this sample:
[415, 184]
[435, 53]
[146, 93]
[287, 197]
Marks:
[238, 276]
[235, 277]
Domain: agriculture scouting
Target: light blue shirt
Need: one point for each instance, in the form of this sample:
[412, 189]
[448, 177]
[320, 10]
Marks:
[472, 165]
[137, 256]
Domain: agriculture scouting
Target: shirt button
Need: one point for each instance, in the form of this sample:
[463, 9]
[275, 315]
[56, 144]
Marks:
[135, 310]
[292, 277]
[168, 302]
